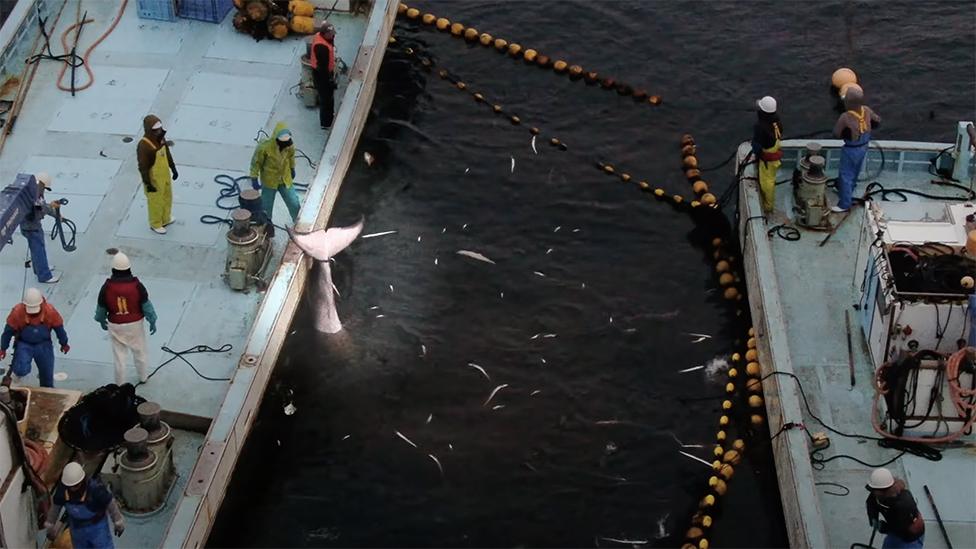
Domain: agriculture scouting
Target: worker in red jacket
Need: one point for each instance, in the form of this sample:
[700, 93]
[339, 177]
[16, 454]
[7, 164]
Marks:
[323, 63]
[30, 324]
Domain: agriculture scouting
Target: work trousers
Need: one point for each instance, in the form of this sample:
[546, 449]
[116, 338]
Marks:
[160, 203]
[38, 253]
[326, 86]
[41, 354]
[852, 157]
[767, 184]
[288, 194]
[125, 338]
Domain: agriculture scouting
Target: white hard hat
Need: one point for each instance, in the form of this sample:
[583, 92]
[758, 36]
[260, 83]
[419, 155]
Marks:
[120, 262]
[72, 474]
[767, 104]
[881, 479]
[44, 179]
[32, 300]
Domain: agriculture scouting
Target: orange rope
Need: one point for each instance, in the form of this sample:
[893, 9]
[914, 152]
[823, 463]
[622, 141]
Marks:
[956, 392]
[88, 52]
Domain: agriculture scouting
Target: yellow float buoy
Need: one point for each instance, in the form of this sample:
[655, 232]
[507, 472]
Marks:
[478, 97]
[843, 76]
[752, 368]
[708, 198]
[720, 436]
[718, 485]
[560, 66]
[659, 192]
[515, 120]
[725, 279]
[413, 13]
[457, 29]
[751, 343]
[678, 199]
[501, 44]
[706, 521]
[729, 388]
[428, 18]
[700, 187]
[654, 100]
[723, 267]
[470, 34]
[591, 77]
[461, 86]
[708, 501]
[530, 55]
[625, 177]
[486, 39]
[644, 185]
[402, 9]
[608, 169]
[534, 130]
[732, 456]
[755, 401]
[756, 420]
[754, 386]
[726, 471]
[690, 162]
[514, 50]
[442, 23]
[718, 451]
[442, 73]
[723, 420]
[688, 150]
[752, 332]
[575, 71]
[703, 543]
[752, 355]
[967, 282]
[733, 373]
[731, 293]
[726, 404]
[543, 61]
[496, 108]
[735, 356]
[692, 174]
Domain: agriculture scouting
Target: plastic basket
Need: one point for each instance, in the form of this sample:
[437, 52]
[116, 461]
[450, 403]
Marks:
[212, 11]
[160, 10]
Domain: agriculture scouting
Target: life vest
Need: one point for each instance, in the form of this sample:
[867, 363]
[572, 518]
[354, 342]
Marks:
[319, 40]
[862, 120]
[773, 154]
[123, 301]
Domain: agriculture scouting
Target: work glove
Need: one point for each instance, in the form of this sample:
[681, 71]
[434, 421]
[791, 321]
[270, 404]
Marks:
[255, 184]
[176, 174]
[150, 188]
[120, 526]
[293, 173]
[3, 354]
[152, 327]
[103, 324]
[65, 348]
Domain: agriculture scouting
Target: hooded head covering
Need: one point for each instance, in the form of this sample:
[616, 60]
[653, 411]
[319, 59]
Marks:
[149, 126]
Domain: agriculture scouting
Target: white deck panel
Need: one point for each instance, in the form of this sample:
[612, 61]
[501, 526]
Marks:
[232, 45]
[135, 35]
[187, 228]
[115, 104]
[216, 125]
[75, 175]
[80, 208]
[197, 186]
[243, 93]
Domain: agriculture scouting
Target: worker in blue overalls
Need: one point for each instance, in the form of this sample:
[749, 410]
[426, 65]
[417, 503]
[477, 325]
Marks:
[32, 230]
[854, 127]
[30, 324]
[88, 506]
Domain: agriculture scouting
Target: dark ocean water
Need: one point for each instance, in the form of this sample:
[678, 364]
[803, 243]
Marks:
[541, 471]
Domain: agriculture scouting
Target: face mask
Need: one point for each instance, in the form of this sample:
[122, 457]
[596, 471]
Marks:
[282, 144]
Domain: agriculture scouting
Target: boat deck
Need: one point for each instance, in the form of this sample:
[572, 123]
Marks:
[214, 89]
[799, 295]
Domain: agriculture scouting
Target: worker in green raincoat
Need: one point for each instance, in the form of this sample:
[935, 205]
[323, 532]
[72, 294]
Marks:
[274, 163]
[158, 172]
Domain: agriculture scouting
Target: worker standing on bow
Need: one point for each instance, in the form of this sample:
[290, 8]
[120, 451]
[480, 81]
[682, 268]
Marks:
[322, 60]
[33, 231]
[123, 303]
[158, 172]
[854, 127]
[274, 163]
[88, 506]
[890, 499]
[766, 135]
[30, 324]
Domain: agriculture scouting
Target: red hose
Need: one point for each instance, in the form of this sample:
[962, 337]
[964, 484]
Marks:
[88, 52]
[956, 392]
[36, 456]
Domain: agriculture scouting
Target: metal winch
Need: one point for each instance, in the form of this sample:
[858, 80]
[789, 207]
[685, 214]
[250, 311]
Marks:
[810, 191]
[146, 471]
[248, 245]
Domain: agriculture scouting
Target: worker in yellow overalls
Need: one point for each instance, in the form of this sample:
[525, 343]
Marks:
[158, 172]
[766, 145]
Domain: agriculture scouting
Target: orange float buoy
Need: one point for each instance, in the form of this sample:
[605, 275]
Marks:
[501, 44]
[402, 9]
[514, 50]
[428, 18]
[708, 199]
[457, 29]
[442, 24]
[543, 61]
[700, 187]
[575, 71]
[690, 162]
[470, 34]
[654, 100]
[413, 13]
[530, 55]
[486, 39]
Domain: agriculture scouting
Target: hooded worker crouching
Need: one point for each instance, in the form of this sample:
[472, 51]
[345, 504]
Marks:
[890, 499]
[158, 172]
[273, 171]
[854, 127]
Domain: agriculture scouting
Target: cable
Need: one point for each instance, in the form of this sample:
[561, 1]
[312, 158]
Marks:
[847, 490]
[192, 350]
[876, 188]
[88, 52]
[784, 231]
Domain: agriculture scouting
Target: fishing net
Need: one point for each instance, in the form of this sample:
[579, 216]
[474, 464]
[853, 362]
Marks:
[98, 421]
